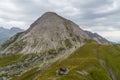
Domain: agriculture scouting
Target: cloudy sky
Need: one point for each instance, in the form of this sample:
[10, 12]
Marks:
[101, 16]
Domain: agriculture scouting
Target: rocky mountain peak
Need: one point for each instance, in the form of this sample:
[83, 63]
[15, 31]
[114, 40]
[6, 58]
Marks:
[50, 14]
[50, 32]
[46, 17]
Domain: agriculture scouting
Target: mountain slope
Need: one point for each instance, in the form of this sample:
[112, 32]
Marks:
[49, 39]
[5, 34]
[92, 61]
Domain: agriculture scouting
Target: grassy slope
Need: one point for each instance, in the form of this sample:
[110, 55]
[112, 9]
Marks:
[29, 75]
[85, 64]
[11, 59]
[90, 62]
[111, 55]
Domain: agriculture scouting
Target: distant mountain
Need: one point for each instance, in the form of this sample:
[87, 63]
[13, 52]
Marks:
[97, 37]
[5, 34]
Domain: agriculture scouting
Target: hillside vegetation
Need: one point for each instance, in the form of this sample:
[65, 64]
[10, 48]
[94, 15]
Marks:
[90, 62]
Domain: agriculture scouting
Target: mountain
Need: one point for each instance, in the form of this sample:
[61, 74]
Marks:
[51, 39]
[49, 32]
[97, 37]
[5, 34]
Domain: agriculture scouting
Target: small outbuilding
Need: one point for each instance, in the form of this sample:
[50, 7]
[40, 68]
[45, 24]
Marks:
[62, 71]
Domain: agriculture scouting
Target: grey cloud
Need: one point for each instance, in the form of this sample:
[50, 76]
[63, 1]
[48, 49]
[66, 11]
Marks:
[90, 14]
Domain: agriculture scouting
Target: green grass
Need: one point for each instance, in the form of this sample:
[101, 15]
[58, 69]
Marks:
[29, 75]
[111, 54]
[84, 64]
[11, 59]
